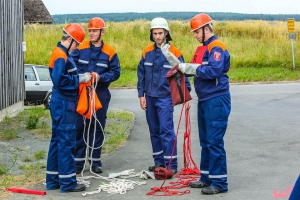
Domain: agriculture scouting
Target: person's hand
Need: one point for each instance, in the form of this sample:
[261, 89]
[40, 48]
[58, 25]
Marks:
[143, 103]
[95, 76]
[84, 78]
[188, 68]
[187, 105]
[172, 59]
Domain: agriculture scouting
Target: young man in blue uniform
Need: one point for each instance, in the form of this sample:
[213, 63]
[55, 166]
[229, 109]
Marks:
[209, 66]
[99, 58]
[60, 162]
[155, 96]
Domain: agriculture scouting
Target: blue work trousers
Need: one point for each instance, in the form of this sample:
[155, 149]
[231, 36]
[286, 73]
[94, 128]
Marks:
[159, 116]
[212, 123]
[295, 195]
[60, 162]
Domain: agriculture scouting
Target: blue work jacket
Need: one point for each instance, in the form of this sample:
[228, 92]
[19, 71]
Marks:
[103, 60]
[152, 70]
[63, 74]
[212, 79]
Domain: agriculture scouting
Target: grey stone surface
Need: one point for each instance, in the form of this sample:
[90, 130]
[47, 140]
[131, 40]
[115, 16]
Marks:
[262, 144]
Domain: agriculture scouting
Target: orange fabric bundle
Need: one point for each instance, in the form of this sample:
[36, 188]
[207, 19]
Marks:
[85, 101]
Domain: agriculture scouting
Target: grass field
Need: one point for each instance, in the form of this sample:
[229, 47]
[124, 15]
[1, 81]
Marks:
[260, 50]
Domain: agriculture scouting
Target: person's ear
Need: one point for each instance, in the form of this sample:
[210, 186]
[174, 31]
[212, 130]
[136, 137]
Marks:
[70, 39]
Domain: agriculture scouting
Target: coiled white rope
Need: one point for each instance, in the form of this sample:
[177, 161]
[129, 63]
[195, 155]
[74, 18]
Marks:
[115, 186]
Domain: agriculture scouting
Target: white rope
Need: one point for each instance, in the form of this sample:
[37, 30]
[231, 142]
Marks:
[93, 115]
[115, 186]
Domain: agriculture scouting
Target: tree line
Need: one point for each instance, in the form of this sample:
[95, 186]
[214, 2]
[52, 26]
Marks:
[132, 16]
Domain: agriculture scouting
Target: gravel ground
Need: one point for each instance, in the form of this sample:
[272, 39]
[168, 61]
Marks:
[15, 153]
[21, 148]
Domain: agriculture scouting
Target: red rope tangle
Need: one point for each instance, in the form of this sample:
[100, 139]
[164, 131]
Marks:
[189, 173]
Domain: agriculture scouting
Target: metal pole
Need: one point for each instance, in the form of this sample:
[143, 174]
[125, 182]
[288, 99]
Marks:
[292, 40]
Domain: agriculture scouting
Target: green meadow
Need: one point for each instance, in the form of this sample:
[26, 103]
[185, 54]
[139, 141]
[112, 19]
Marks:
[261, 51]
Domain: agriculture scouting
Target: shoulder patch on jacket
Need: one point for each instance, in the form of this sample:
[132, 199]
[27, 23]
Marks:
[216, 43]
[56, 54]
[108, 50]
[148, 49]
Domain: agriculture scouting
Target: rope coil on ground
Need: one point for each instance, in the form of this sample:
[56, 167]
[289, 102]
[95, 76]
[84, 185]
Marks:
[117, 186]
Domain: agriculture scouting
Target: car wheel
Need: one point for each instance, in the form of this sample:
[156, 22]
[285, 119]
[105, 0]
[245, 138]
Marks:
[47, 100]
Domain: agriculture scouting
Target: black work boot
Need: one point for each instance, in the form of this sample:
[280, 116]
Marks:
[211, 190]
[97, 170]
[79, 170]
[153, 167]
[78, 188]
[198, 184]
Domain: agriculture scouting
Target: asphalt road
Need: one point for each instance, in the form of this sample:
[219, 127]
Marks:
[262, 145]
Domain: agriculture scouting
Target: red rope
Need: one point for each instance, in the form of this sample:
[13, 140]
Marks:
[189, 173]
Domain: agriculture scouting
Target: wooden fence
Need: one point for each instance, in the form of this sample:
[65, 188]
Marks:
[12, 85]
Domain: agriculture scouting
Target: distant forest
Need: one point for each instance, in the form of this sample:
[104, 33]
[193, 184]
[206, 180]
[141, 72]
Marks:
[131, 16]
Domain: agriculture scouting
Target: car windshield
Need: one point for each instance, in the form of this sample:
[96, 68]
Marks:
[43, 73]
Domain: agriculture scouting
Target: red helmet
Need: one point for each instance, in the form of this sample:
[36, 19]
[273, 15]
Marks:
[75, 31]
[199, 21]
[96, 23]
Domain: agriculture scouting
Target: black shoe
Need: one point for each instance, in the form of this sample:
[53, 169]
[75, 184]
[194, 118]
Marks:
[198, 184]
[79, 170]
[97, 170]
[211, 190]
[174, 171]
[153, 167]
[78, 188]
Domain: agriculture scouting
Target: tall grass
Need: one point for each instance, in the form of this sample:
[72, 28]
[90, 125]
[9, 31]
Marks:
[252, 44]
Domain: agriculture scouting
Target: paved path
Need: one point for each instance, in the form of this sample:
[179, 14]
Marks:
[262, 144]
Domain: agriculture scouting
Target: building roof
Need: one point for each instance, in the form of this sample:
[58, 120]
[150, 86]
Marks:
[36, 12]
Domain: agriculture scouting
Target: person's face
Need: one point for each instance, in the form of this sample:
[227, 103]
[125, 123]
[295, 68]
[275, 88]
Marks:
[94, 34]
[74, 45]
[159, 35]
[198, 34]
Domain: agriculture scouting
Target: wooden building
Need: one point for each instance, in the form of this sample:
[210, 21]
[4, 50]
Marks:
[12, 82]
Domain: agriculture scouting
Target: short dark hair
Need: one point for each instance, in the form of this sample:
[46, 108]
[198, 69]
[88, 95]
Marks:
[209, 26]
[65, 36]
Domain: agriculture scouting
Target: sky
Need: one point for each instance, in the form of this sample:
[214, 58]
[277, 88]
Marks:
[142, 6]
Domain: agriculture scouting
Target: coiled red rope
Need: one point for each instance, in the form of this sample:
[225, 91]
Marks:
[190, 172]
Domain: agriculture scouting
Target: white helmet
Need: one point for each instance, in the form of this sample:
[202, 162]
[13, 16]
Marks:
[160, 23]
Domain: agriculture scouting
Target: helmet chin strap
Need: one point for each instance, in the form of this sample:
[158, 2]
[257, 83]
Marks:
[99, 36]
[203, 35]
[70, 44]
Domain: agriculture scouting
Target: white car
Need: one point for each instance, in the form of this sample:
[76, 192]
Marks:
[38, 84]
